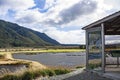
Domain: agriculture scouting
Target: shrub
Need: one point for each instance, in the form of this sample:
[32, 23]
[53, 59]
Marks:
[27, 76]
[2, 56]
[30, 75]
[36, 74]
[11, 77]
[39, 73]
[61, 71]
[93, 66]
[42, 73]
[79, 67]
[49, 72]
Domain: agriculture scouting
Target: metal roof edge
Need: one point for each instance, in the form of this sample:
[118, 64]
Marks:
[102, 20]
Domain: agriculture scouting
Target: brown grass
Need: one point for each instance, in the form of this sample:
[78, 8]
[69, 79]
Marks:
[8, 60]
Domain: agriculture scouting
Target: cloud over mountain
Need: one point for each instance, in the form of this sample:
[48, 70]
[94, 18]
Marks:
[41, 15]
[74, 12]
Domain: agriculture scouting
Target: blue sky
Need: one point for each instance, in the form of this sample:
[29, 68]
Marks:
[60, 19]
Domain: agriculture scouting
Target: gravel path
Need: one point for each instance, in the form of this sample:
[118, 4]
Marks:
[87, 76]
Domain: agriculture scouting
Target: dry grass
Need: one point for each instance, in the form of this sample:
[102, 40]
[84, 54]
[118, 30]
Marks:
[31, 65]
[39, 50]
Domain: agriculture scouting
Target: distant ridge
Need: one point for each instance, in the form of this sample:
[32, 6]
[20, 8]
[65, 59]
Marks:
[13, 35]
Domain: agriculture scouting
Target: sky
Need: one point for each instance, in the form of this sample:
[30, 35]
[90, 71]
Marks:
[62, 20]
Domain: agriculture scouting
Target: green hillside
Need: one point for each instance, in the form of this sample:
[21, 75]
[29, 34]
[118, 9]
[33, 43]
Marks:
[13, 35]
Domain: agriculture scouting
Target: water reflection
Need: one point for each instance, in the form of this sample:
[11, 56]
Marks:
[58, 59]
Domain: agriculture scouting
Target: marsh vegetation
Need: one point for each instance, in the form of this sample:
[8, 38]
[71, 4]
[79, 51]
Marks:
[32, 69]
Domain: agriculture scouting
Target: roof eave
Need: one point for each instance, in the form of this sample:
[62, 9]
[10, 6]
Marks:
[102, 20]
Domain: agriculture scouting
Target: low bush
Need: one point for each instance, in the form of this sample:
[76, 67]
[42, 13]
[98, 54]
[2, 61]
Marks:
[49, 72]
[2, 56]
[30, 75]
[61, 71]
[79, 67]
[93, 66]
[11, 77]
[43, 73]
[27, 76]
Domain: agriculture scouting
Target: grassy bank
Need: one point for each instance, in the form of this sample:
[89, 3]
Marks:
[7, 51]
[30, 75]
[51, 51]
[35, 69]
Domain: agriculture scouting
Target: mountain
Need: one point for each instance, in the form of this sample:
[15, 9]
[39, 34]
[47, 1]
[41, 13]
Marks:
[13, 35]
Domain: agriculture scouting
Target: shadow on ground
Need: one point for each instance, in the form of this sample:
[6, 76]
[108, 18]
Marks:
[85, 75]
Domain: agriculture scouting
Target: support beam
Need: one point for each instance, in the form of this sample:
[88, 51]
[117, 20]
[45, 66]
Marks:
[87, 50]
[103, 47]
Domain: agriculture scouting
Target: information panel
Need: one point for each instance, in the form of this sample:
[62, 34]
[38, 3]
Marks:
[95, 49]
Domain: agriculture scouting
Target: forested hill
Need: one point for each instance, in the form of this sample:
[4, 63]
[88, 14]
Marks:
[13, 35]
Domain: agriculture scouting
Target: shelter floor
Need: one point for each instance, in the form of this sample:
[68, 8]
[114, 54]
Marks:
[113, 71]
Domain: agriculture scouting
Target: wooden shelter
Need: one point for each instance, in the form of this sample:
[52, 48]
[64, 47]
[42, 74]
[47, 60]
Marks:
[95, 40]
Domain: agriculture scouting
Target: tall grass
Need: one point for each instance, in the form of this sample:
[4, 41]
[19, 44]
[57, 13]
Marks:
[11, 77]
[61, 71]
[30, 75]
[93, 66]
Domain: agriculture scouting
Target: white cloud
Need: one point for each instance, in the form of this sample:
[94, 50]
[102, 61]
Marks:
[15, 5]
[112, 39]
[73, 36]
[103, 9]
[28, 16]
[66, 13]
[115, 4]
[62, 14]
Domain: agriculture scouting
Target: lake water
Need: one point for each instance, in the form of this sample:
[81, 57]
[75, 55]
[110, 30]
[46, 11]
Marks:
[55, 59]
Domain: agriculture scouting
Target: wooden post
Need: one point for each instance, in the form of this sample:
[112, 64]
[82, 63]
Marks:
[87, 50]
[103, 47]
